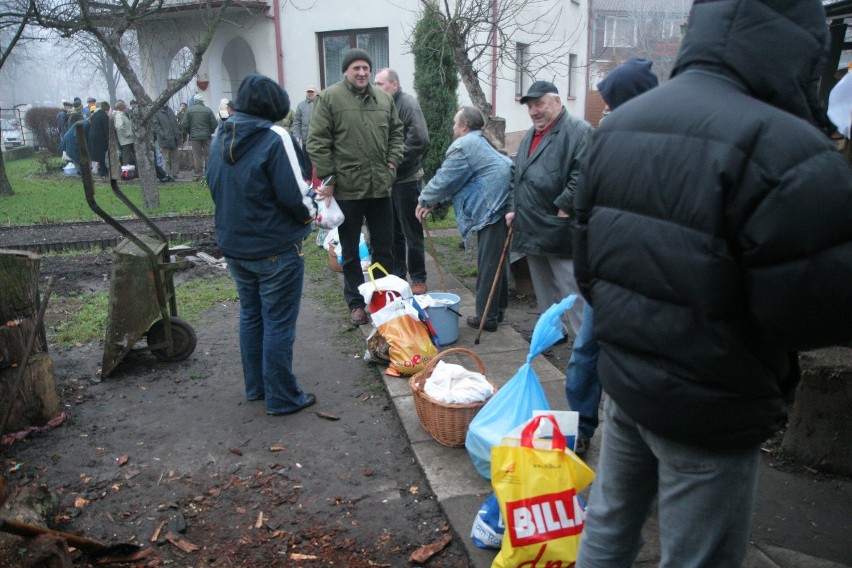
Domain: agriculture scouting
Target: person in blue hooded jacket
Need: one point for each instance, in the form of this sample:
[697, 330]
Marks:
[582, 387]
[261, 223]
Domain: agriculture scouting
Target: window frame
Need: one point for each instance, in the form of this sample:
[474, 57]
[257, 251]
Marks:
[611, 32]
[352, 34]
[571, 92]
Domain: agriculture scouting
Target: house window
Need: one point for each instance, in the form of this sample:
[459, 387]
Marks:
[619, 32]
[521, 63]
[332, 46]
[572, 75]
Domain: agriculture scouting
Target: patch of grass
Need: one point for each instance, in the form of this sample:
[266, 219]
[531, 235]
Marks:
[197, 296]
[87, 318]
[448, 223]
[39, 199]
[84, 318]
[460, 263]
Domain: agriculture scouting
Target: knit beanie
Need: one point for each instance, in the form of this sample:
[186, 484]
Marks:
[355, 54]
[630, 79]
[261, 96]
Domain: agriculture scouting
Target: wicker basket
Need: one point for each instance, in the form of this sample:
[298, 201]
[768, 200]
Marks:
[332, 259]
[447, 423]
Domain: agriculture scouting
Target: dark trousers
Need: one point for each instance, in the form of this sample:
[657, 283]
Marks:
[309, 167]
[378, 212]
[491, 239]
[128, 155]
[408, 254]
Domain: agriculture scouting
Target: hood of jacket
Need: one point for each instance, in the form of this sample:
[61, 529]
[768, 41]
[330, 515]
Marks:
[261, 96]
[775, 48]
[240, 134]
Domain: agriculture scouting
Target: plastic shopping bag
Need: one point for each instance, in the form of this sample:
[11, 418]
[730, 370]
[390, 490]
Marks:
[329, 215]
[513, 404]
[538, 494]
[488, 528]
[376, 293]
[410, 345]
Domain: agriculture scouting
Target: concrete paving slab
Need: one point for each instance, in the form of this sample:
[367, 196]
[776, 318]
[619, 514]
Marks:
[450, 472]
[461, 511]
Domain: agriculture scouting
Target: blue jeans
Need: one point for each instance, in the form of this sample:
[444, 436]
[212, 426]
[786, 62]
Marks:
[582, 388]
[705, 499]
[270, 292]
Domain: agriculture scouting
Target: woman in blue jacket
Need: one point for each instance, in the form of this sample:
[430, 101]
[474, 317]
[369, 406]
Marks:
[261, 222]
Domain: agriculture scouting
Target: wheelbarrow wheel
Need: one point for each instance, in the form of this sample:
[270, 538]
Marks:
[184, 340]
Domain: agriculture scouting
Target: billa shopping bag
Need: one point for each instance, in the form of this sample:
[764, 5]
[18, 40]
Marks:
[515, 402]
[410, 345]
[538, 494]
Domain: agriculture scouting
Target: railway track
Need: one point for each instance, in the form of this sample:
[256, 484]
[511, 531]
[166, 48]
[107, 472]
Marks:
[97, 235]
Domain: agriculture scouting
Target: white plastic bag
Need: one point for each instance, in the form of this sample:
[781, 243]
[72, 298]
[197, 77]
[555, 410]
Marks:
[329, 215]
[453, 384]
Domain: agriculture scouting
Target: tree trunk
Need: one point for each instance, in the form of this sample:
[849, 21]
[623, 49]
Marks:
[5, 186]
[36, 401]
[466, 70]
[33, 400]
[34, 505]
[820, 424]
[144, 142]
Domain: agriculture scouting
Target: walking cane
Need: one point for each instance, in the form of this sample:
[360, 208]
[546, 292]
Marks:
[497, 274]
[434, 254]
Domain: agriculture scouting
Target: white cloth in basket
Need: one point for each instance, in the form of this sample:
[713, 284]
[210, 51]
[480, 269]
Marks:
[453, 384]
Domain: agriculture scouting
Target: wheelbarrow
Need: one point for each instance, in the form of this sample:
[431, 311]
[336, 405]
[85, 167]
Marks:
[142, 299]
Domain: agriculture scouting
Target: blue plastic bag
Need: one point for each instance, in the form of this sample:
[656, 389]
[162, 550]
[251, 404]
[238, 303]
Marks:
[488, 528]
[514, 403]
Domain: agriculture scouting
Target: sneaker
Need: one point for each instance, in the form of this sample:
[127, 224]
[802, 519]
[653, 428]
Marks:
[474, 321]
[359, 317]
[418, 288]
[581, 445]
[310, 400]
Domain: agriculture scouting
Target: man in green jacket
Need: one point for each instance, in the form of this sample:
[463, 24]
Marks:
[356, 136]
[199, 123]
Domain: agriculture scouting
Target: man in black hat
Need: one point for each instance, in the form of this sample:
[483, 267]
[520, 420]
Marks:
[357, 137]
[62, 118]
[541, 207]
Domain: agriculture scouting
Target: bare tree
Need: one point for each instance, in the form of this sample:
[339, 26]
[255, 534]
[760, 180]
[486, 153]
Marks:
[108, 22]
[90, 60]
[477, 31]
[649, 29]
[15, 16]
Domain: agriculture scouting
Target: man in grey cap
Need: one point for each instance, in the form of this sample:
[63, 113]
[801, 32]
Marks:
[302, 120]
[544, 179]
[357, 137]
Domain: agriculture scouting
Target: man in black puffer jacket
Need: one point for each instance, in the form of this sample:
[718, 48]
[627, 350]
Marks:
[714, 240]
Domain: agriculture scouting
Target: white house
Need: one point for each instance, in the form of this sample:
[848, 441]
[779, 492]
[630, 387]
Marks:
[301, 42]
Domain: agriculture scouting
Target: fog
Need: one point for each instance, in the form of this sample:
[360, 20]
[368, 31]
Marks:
[44, 73]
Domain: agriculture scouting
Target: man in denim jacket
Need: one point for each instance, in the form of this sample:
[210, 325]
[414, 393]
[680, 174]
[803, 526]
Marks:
[475, 175]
